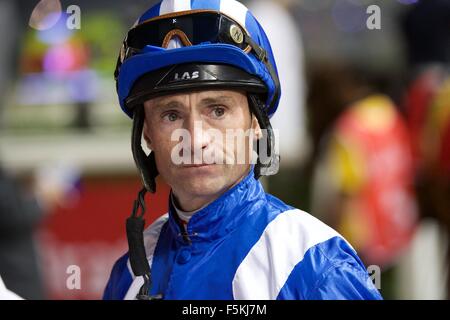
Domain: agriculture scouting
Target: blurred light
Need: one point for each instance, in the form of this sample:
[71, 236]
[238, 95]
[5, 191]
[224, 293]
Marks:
[59, 59]
[66, 57]
[314, 5]
[408, 1]
[83, 86]
[56, 34]
[45, 15]
[365, 3]
[53, 88]
[349, 16]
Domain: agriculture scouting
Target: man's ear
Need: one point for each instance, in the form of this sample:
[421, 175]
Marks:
[256, 128]
[146, 136]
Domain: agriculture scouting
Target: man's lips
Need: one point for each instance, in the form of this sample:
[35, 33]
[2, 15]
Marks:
[196, 165]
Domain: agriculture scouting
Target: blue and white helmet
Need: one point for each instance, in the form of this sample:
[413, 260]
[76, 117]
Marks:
[211, 32]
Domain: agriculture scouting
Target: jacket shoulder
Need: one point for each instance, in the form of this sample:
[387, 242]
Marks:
[151, 234]
[292, 254]
[119, 280]
[121, 275]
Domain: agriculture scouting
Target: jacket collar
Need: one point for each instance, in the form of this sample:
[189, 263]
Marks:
[222, 215]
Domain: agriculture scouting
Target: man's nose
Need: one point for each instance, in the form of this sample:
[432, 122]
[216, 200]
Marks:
[198, 132]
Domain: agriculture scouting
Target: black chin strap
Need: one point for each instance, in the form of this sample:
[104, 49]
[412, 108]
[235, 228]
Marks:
[138, 258]
[135, 223]
[271, 166]
[145, 164]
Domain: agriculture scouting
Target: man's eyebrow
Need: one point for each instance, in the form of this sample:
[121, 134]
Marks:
[167, 105]
[218, 99]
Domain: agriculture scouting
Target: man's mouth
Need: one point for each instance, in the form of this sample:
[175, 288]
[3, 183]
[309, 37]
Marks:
[196, 165]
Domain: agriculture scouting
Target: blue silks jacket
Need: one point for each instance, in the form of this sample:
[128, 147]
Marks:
[246, 244]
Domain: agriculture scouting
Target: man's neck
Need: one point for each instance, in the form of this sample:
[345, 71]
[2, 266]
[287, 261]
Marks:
[191, 204]
[185, 216]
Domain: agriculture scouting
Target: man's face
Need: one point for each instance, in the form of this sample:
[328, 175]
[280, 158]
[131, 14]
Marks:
[207, 117]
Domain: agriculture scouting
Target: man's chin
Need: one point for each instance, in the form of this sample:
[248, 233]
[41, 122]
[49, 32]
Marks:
[203, 181]
[200, 181]
[204, 186]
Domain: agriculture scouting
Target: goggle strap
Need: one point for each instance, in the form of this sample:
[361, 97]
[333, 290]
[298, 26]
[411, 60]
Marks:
[261, 54]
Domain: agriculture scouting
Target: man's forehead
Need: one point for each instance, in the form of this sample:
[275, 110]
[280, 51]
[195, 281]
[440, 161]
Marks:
[198, 95]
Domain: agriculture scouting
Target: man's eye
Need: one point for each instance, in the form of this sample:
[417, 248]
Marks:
[218, 112]
[172, 116]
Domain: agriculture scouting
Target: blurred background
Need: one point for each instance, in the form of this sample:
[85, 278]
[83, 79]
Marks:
[364, 127]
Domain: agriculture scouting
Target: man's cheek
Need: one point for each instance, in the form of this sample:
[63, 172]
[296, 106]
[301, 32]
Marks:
[172, 154]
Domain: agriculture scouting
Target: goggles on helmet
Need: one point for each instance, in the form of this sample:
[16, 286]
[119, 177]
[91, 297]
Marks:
[192, 28]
